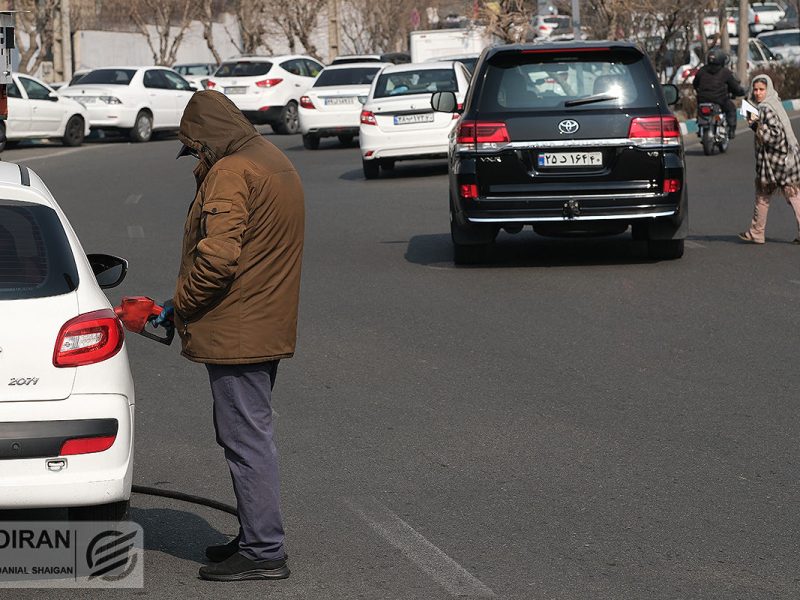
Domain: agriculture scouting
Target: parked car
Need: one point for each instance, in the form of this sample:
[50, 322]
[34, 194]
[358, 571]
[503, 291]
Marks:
[550, 26]
[333, 104]
[759, 55]
[767, 15]
[395, 58]
[67, 400]
[397, 122]
[196, 74]
[267, 89]
[36, 111]
[134, 100]
[789, 20]
[785, 42]
[468, 60]
[571, 139]
[711, 23]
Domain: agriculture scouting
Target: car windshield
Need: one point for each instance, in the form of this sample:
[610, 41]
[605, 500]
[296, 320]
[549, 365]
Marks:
[337, 77]
[109, 76]
[35, 257]
[76, 78]
[192, 69]
[243, 68]
[775, 40]
[407, 83]
[563, 79]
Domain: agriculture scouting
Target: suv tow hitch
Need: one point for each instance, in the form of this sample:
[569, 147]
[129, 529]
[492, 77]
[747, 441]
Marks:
[572, 209]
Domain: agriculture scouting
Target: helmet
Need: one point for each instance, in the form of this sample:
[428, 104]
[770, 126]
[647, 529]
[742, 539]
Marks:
[716, 56]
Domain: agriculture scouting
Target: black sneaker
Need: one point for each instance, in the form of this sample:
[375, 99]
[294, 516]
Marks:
[240, 568]
[223, 551]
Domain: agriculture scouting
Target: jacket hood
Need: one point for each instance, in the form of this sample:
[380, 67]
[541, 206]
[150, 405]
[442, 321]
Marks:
[214, 127]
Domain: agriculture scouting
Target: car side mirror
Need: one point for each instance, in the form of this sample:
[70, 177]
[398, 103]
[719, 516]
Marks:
[193, 88]
[670, 93]
[109, 270]
[778, 56]
[53, 97]
[444, 102]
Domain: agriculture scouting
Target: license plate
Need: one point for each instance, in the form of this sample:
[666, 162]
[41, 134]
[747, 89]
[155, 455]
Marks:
[340, 101]
[571, 159]
[411, 119]
[236, 90]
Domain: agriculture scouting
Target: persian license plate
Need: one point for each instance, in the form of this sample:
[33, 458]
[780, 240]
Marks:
[571, 159]
[236, 90]
[410, 119]
[338, 101]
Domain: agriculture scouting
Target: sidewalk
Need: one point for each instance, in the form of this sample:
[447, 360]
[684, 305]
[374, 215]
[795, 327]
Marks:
[690, 126]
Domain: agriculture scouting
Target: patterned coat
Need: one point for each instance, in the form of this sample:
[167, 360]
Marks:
[777, 165]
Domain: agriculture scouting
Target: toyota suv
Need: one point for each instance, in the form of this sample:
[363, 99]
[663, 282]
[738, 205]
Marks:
[571, 139]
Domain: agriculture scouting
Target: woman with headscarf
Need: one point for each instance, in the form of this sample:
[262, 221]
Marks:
[777, 157]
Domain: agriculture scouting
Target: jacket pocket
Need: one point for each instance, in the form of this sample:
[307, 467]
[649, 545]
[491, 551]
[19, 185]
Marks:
[211, 208]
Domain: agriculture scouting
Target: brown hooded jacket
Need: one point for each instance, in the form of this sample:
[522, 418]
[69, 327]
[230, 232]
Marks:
[239, 282]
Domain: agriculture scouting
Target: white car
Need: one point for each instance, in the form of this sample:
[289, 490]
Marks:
[332, 107]
[767, 15]
[397, 121]
[785, 42]
[134, 100]
[551, 26]
[469, 60]
[36, 111]
[196, 74]
[267, 89]
[67, 397]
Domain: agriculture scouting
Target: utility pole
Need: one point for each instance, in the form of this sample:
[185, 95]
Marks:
[66, 41]
[333, 29]
[576, 20]
[744, 40]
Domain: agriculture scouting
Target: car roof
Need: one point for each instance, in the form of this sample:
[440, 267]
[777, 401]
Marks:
[778, 32]
[566, 45]
[450, 57]
[428, 66]
[357, 65]
[18, 182]
[263, 58]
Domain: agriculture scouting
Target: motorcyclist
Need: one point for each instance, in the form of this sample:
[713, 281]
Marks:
[714, 82]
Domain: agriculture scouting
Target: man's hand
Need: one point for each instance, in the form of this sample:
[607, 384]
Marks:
[165, 319]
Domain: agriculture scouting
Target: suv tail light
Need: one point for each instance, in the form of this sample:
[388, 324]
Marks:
[368, 118]
[481, 135]
[663, 131]
[210, 85]
[305, 102]
[86, 445]
[88, 339]
[268, 83]
[672, 185]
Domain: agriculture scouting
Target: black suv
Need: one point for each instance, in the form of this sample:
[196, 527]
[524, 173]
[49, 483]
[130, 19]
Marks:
[571, 138]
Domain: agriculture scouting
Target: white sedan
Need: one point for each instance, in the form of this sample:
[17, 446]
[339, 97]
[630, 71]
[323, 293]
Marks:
[134, 100]
[36, 111]
[67, 398]
[333, 104]
[397, 121]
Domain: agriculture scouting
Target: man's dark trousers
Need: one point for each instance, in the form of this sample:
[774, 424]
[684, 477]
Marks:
[243, 422]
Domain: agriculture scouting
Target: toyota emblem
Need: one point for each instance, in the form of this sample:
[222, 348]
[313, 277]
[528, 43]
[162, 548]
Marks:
[568, 127]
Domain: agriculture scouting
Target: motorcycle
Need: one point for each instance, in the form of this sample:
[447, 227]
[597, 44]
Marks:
[712, 128]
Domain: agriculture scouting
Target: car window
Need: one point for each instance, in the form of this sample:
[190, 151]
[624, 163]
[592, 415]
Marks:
[13, 91]
[34, 89]
[35, 257]
[176, 82]
[766, 52]
[295, 67]
[424, 81]
[243, 68]
[313, 68]
[356, 76]
[775, 40]
[550, 80]
[109, 76]
[755, 52]
[194, 69]
[154, 79]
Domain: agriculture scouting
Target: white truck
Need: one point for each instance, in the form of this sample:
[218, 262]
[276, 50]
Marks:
[427, 45]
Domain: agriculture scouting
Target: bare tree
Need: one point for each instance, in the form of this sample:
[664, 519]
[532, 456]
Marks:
[369, 26]
[205, 12]
[509, 20]
[37, 21]
[155, 20]
[297, 21]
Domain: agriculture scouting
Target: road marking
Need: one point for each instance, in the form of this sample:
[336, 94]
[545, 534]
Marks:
[427, 557]
[135, 231]
[61, 153]
[133, 199]
[794, 281]
[692, 244]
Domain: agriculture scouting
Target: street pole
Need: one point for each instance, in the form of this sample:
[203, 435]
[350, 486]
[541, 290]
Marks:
[744, 40]
[576, 19]
[66, 41]
[333, 29]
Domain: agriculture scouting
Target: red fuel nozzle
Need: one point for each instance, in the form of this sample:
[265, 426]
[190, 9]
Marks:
[136, 311]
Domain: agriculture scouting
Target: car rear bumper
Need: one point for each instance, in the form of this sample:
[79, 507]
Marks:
[420, 144]
[328, 124]
[85, 479]
[566, 208]
[270, 114]
[111, 116]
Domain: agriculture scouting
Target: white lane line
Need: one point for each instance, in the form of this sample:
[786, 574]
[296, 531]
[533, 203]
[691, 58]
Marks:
[133, 199]
[135, 231]
[427, 557]
[61, 153]
[794, 281]
[691, 244]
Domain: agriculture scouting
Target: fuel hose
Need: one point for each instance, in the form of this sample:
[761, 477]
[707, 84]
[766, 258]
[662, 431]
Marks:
[151, 491]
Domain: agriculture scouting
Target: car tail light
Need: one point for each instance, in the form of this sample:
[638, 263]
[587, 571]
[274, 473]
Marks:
[542, 27]
[655, 130]
[210, 85]
[268, 83]
[87, 339]
[368, 118]
[87, 445]
[481, 135]
[468, 191]
[457, 114]
[758, 19]
[672, 185]
[305, 102]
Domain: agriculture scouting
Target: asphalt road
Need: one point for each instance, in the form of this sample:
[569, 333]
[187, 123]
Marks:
[569, 421]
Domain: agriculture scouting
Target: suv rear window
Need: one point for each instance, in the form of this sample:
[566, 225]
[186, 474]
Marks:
[360, 76]
[543, 80]
[243, 68]
[406, 83]
[35, 256]
[109, 76]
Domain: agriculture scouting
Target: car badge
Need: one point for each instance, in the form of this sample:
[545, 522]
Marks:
[568, 127]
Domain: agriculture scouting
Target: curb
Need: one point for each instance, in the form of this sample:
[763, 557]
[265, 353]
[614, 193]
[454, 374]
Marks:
[688, 127]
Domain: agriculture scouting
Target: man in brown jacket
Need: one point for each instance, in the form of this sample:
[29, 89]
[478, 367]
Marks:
[235, 308]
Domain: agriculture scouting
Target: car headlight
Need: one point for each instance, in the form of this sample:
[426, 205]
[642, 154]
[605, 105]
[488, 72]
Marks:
[110, 100]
